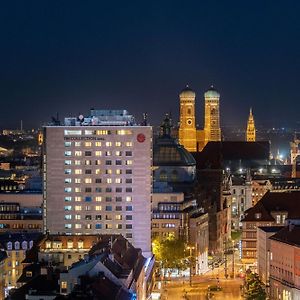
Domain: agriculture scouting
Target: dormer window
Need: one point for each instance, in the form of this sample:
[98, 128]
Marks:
[257, 216]
[80, 244]
[48, 244]
[17, 245]
[9, 246]
[70, 244]
[24, 245]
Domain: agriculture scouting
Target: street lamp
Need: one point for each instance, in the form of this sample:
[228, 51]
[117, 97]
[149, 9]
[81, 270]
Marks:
[191, 248]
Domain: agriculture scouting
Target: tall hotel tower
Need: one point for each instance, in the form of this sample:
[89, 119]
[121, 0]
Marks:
[212, 116]
[97, 177]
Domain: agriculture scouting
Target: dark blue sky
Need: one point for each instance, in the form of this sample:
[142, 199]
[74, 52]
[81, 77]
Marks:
[69, 56]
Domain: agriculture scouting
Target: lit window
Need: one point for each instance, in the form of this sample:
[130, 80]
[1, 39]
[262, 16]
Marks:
[68, 217]
[118, 171]
[77, 162]
[102, 132]
[78, 153]
[68, 162]
[17, 245]
[77, 217]
[77, 190]
[98, 153]
[97, 171]
[97, 162]
[68, 207]
[68, 153]
[68, 199]
[88, 162]
[68, 190]
[128, 199]
[108, 171]
[118, 217]
[123, 132]
[68, 144]
[89, 132]
[72, 132]
[70, 244]
[118, 144]
[88, 226]
[68, 180]
[118, 153]
[78, 171]
[98, 144]
[98, 207]
[98, 199]
[80, 244]
[78, 207]
[118, 180]
[77, 144]
[108, 144]
[128, 162]
[77, 180]
[108, 180]
[107, 153]
[128, 144]
[78, 226]
[108, 226]
[118, 226]
[88, 144]
[48, 244]
[87, 208]
[9, 246]
[24, 245]
[77, 199]
[88, 180]
[68, 226]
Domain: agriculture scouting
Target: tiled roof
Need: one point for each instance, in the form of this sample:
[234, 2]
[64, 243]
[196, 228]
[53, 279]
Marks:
[289, 235]
[275, 201]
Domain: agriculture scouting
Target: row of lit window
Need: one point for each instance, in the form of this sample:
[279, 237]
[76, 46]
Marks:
[17, 245]
[97, 208]
[97, 153]
[97, 162]
[98, 199]
[98, 144]
[164, 216]
[97, 190]
[98, 217]
[98, 180]
[98, 226]
[98, 171]
[165, 225]
[97, 132]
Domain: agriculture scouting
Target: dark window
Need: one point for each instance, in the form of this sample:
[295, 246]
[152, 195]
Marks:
[118, 199]
[88, 153]
[128, 153]
[88, 199]
[128, 190]
[128, 217]
[128, 208]
[118, 190]
[128, 226]
[129, 171]
[88, 190]
[98, 180]
[118, 162]
[128, 180]
[88, 171]
[98, 217]
[108, 162]
[118, 208]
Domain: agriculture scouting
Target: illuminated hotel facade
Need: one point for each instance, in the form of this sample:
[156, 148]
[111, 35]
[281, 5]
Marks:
[97, 177]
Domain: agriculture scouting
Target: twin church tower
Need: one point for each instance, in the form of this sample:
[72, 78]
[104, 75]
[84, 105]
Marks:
[190, 137]
[194, 139]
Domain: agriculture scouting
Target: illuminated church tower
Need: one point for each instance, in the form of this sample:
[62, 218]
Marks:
[187, 127]
[212, 130]
[250, 134]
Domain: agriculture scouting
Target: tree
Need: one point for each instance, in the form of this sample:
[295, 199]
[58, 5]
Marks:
[170, 252]
[254, 287]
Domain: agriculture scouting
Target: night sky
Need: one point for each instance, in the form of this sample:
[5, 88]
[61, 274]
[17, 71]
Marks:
[69, 56]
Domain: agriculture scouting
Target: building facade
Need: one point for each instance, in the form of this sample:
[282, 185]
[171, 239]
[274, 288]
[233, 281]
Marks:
[97, 177]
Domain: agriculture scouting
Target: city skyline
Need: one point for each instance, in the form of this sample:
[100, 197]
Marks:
[64, 58]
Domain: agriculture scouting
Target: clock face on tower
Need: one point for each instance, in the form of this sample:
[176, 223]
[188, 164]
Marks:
[189, 121]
